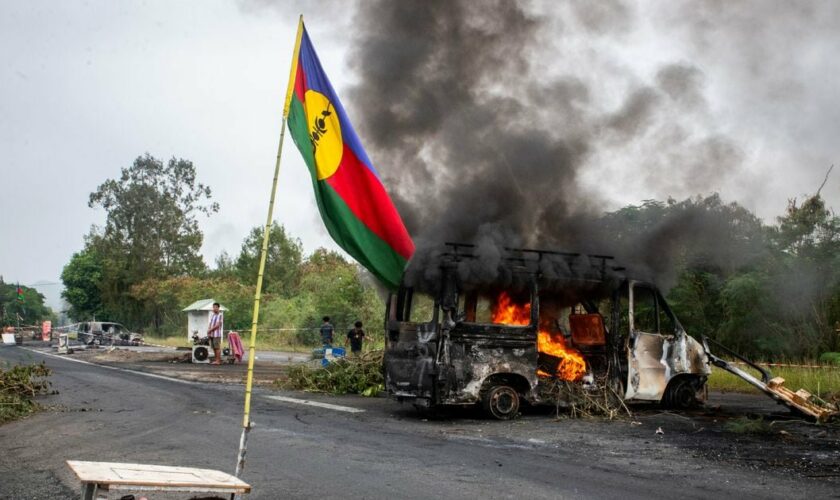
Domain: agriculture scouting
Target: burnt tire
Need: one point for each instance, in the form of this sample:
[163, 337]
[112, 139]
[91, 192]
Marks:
[501, 402]
[681, 394]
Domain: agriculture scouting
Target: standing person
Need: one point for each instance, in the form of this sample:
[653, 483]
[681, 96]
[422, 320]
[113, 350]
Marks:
[327, 332]
[214, 332]
[355, 337]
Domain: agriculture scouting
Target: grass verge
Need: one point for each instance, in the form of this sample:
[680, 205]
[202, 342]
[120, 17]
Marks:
[823, 381]
[18, 386]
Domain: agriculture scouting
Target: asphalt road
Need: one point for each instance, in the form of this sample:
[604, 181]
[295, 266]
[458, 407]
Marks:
[387, 451]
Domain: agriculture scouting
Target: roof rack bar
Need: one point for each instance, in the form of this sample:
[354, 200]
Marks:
[464, 251]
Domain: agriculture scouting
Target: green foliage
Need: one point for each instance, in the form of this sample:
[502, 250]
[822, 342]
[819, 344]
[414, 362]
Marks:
[766, 291]
[359, 375]
[151, 232]
[329, 286]
[832, 358]
[282, 263]
[225, 267]
[696, 300]
[82, 278]
[29, 311]
[747, 425]
[18, 385]
[164, 299]
[809, 230]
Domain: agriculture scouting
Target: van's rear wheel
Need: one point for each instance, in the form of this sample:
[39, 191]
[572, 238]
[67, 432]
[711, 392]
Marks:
[501, 402]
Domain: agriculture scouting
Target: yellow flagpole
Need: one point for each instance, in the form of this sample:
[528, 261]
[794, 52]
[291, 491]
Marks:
[249, 381]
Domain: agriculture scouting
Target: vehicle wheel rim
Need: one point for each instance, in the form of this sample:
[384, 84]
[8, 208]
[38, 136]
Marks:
[504, 402]
[684, 396]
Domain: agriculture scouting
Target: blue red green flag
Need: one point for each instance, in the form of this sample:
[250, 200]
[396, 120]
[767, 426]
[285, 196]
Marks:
[356, 209]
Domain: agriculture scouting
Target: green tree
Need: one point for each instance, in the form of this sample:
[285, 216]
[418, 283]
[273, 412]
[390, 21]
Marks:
[807, 238]
[282, 264]
[151, 229]
[696, 300]
[165, 298]
[225, 267]
[29, 311]
[329, 286]
[809, 230]
[82, 277]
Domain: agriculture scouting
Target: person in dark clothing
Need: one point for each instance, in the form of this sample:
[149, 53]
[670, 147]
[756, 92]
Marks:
[327, 332]
[355, 337]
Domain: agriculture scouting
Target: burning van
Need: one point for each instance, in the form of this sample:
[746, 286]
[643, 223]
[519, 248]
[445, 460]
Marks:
[545, 316]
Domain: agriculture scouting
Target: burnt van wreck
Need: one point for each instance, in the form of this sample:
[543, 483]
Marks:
[458, 339]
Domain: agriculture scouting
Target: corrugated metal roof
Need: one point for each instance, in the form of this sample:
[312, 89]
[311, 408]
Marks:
[203, 305]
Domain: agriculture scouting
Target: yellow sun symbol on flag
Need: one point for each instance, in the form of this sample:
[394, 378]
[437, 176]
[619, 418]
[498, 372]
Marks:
[324, 133]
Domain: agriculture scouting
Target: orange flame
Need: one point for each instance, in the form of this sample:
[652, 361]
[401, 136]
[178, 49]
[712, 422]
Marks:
[506, 312]
[572, 366]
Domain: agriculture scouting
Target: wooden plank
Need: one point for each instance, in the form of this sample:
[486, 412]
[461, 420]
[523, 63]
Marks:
[163, 476]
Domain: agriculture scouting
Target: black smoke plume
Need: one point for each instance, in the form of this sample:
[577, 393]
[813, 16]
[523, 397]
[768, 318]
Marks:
[479, 142]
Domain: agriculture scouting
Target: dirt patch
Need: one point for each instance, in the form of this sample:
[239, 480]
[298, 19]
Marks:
[176, 364]
[107, 355]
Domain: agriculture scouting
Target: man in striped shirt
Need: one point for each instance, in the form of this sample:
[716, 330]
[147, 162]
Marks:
[214, 332]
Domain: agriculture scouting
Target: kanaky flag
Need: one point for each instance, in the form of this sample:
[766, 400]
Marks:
[356, 209]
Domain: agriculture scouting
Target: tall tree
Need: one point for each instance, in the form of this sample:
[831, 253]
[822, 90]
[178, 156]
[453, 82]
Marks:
[808, 269]
[151, 228]
[82, 278]
[282, 264]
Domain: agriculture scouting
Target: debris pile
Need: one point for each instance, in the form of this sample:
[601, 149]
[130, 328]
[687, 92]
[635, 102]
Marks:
[355, 375]
[18, 385]
[595, 399]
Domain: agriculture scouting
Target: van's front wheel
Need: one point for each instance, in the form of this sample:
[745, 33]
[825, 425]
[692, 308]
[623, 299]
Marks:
[501, 402]
[681, 393]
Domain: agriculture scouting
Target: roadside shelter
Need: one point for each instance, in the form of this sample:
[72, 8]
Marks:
[198, 317]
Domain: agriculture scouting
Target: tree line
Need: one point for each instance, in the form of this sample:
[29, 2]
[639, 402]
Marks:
[24, 309]
[769, 291]
[143, 266]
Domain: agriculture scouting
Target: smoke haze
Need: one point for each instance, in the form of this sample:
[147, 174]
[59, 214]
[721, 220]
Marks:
[508, 123]
[484, 145]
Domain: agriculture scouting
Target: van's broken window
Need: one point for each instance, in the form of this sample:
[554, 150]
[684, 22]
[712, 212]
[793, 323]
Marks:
[666, 322]
[414, 306]
[644, 310]
[422, 308]
[502, 308]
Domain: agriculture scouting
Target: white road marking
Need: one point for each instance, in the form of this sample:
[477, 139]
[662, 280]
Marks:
[348, 409]
[145, 374]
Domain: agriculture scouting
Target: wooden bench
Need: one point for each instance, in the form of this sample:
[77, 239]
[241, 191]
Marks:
[109, 476]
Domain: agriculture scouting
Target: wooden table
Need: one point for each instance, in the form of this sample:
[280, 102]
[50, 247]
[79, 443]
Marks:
[106, 476]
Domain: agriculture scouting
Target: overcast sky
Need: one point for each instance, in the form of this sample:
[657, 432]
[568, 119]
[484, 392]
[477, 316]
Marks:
[87, 86]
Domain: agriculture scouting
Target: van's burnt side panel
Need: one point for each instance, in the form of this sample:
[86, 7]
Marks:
[479, 351]
[410, 370]
[660, 359]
